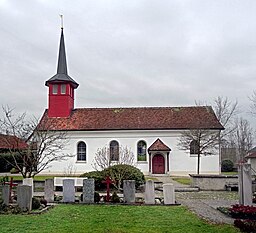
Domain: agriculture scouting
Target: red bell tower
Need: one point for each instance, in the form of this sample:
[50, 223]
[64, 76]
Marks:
[61, 87]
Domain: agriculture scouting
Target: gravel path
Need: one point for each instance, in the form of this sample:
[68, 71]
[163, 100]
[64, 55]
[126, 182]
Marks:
[205, 203]
[204, 210]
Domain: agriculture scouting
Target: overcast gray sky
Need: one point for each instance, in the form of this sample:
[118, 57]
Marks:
[129, 53]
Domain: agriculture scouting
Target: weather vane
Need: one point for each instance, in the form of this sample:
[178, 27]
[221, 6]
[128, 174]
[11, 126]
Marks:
[61, 21]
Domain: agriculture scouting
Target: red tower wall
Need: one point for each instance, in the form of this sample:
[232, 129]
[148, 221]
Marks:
[60, 105]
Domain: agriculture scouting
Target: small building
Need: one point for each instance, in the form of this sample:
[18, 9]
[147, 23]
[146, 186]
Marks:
[9, 143]
[251, 159]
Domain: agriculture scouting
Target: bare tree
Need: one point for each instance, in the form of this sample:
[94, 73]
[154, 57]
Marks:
[104, 157]
[43, 146]
[199, 142]
[207, 142]
[253, 103]
[242, 138]
[225, 112]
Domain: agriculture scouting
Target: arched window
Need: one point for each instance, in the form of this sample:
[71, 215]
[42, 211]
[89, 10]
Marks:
[81, 151]
[114, 151]
[194, 147]
[142, 151]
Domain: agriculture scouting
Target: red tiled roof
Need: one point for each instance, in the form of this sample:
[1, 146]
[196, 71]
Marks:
[150, 118]
[251, 153]
[11, 142]
[158, 145]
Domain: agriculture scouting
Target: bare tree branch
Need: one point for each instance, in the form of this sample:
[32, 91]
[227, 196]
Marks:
[103, 160]
[207, 142]
[43, 146]
[242, 138]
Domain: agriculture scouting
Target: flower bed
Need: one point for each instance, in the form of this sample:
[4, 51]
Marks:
[245, 225]
[245, 217]
[243, 212]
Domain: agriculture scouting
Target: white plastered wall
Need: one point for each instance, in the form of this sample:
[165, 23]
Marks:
[180, 161]
[252, 161]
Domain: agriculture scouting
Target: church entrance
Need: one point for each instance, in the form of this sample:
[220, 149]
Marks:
[158, 164]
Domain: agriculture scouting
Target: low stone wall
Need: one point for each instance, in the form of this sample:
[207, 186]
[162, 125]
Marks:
[212, 182]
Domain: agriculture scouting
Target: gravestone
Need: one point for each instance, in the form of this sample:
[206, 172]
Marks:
[24, 197]
[68, 190]
[29, 181]
[245, 184]
[169, 194]
[11, 184]
[88, 191]
[150, 192]
[49, 190]
[129, 191]
[6, 194]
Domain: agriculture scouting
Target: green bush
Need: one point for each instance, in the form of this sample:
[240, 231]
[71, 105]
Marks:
[117, 173]
[98, 178]
[43, 202]
[115, 198]
[96, 197]
[121, 172]
[227, 166]
[35, 203]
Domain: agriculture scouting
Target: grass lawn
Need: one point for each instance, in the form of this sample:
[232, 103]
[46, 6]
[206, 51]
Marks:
[229, 173]
[182, 180]
[111, 219]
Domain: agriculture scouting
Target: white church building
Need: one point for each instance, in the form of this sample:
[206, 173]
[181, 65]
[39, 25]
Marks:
[151, 133]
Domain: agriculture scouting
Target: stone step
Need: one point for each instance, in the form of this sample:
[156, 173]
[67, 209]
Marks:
[186, 189]
[182, 189]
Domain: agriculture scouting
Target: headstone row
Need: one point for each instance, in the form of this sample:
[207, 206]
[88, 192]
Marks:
[168, 192]
[69, 191]
[25, 192]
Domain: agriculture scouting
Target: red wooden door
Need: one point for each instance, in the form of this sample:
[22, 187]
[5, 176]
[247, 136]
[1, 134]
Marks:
[158, 164]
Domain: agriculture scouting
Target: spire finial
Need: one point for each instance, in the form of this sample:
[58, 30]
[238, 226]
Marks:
[61, 21]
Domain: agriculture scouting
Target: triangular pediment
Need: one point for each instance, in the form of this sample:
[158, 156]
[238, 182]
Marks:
[158, 145]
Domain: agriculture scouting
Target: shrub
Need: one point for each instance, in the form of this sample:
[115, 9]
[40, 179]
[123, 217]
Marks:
[96, 197]
[115, 198]
[35, 203]
[117, 173]
[121, 172]
[245, 225]
[98, 178]
[227, 166]
[43, 202]
[14, 170]
[3, 207]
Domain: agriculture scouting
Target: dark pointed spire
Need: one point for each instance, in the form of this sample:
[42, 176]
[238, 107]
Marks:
[62, 71]
[62, 61]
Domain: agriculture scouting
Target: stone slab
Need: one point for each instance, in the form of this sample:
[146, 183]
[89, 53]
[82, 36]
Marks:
[49, 190]
[245, 184]
[149, 194]
[6, 194]
[30, 182]
[68, 190]
[58, 181]
[24, 197]
[169, 194]
[88, 191]
[129, 191]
